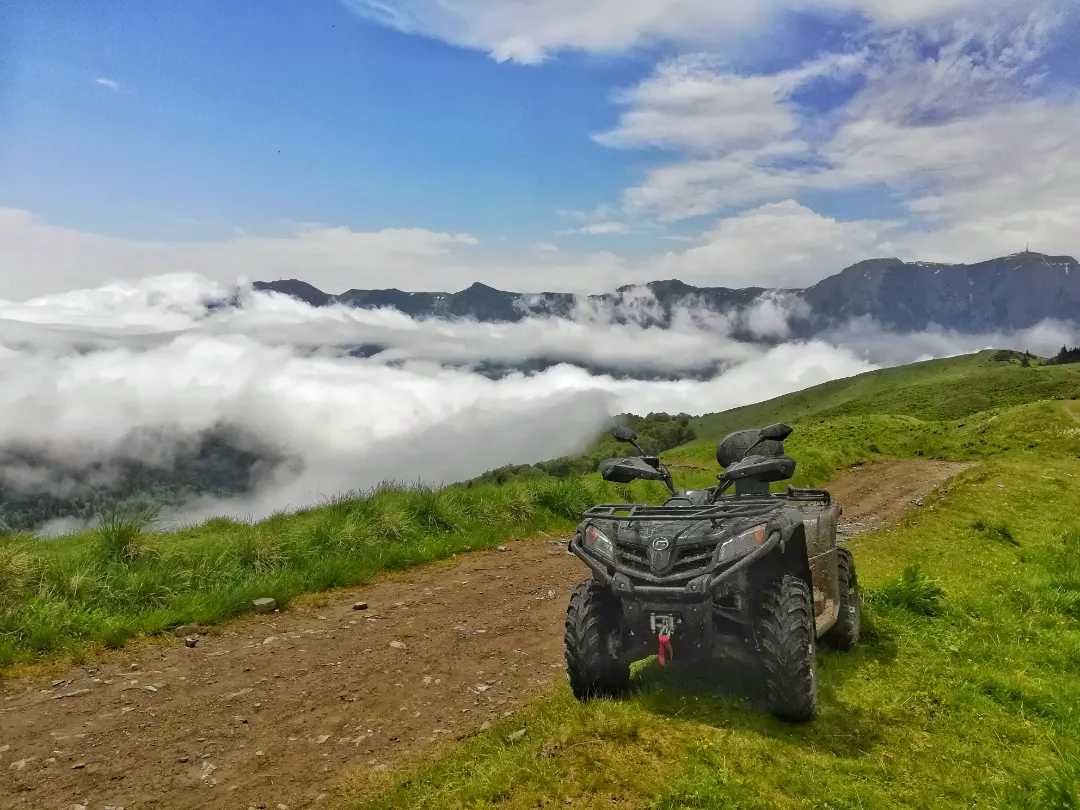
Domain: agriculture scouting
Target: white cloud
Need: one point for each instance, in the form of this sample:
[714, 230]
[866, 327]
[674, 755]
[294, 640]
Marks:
[41, 258]
[46, 258]
[780, 244]
[694, 103]
[694, 187]
[530, 31]
[957, 122]
[110, 84]
[605, 228]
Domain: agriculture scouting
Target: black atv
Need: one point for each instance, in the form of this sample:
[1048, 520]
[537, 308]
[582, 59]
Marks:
[752, 575]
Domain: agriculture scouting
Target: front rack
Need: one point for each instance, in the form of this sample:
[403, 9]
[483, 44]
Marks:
[729, 506]
[743, 507]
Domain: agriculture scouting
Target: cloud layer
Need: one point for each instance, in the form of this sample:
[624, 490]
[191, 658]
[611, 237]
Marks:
[140, 371]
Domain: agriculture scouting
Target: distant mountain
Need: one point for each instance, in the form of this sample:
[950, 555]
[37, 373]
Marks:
[1011, 292]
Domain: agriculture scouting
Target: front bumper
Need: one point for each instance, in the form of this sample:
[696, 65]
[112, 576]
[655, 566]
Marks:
[688, 604]
[681, 590]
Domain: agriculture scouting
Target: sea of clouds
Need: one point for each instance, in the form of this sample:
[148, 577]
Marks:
[345, 398]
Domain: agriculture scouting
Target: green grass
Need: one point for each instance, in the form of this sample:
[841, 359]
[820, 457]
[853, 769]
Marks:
[823, 445]
[124, 579]
[965, 691]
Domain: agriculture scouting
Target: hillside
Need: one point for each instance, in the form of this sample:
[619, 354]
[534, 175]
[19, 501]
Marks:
[1006, 293]
[935, 389]
[964, 691]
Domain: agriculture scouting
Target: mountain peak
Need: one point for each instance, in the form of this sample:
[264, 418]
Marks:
[479, 286]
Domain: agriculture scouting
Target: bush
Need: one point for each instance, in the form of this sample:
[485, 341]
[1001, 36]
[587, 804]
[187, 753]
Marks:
[913, 591]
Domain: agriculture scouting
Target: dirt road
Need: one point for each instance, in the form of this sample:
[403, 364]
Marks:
[270, 711]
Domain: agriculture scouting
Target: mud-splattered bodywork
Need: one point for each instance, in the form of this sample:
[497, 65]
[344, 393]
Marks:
[701, 564]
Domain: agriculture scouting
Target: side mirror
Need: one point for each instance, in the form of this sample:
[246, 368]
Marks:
[623, 434]
[625, 470]
[777, 432]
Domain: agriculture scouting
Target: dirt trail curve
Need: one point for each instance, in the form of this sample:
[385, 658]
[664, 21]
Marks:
[272, 710]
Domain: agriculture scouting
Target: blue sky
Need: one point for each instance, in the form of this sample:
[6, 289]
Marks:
[301, 112]
[530, 144]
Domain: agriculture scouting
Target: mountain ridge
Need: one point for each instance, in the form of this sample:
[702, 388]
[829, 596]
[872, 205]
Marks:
[1005, 293]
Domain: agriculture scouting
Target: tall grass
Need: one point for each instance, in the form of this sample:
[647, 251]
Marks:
[913, 591]
[120, 531]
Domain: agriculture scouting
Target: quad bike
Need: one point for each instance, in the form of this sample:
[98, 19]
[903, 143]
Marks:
[752, 575]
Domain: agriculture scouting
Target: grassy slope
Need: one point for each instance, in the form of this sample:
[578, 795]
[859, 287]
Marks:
[935, 389]
[978, 705]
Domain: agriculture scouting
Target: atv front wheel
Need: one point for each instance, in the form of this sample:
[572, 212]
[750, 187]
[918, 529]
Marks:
[594, 658]
[785, 636]
[845, 633]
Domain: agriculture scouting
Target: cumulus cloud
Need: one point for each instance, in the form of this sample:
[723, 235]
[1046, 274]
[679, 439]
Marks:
[782, 244]
[694, 103]
[956, 121]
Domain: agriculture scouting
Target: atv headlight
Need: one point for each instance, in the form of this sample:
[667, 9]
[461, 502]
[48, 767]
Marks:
[596, 542]
[741, 544]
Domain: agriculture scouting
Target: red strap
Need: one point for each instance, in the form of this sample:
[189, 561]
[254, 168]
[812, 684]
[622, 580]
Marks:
[663, 649]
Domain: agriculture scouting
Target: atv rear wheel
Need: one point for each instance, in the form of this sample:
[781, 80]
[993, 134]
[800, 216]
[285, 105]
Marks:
[594, 659]
[845, 633]
[785, 637]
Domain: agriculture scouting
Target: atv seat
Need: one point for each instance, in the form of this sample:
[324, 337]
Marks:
[753, 473]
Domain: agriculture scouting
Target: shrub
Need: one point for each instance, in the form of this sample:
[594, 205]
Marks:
[913, 591]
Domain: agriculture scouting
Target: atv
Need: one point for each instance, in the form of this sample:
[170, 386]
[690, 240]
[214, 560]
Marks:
[708, 576]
